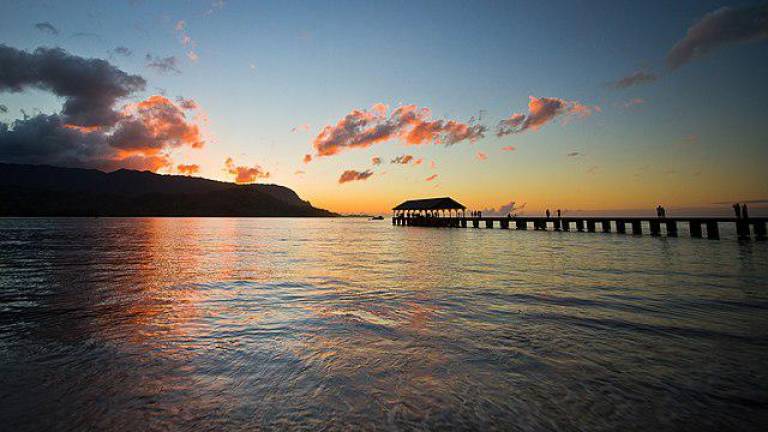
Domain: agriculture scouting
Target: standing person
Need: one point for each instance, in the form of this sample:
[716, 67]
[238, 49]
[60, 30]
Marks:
[547, 213]
[737, 210]
[744, 213]
[558, 213]
[663, 212]
[658, 211]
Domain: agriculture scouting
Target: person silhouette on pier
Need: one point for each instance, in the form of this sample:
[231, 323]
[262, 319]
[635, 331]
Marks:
[558, 213]
[547, 213]
[658, 211]
[737, 210]
[744, 212]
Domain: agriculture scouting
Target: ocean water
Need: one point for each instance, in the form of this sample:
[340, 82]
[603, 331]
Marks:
[350, 324]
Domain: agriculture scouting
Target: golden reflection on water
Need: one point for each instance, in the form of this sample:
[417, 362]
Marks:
[280, 323]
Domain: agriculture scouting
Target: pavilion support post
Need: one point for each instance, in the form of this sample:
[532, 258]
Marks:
[606, 225]
[637, 227]
[713, 231]
[521, 224]
[759, 227]
[621, 226]
[579, 225]
[557, 224]
[671, 228]
[591, 226]
[695, 228]
[489, 223]
[504, 223]
[655, 227]
[566, 224]
[742, 228]
[475, 223]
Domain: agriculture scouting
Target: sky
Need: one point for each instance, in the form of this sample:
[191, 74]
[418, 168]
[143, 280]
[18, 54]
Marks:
[357, 106]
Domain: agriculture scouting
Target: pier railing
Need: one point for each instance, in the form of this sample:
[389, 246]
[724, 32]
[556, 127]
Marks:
[668, 226]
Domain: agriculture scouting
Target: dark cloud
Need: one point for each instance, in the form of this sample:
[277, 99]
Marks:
[89, 131]
[47, 27]
[726, 25]
[352, 175]
[90, 86]
[123, 51]
[3, 109]
[633, 79]
[163, 64]
[573, 154]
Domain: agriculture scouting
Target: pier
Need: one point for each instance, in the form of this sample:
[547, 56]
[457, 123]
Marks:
[448, 213]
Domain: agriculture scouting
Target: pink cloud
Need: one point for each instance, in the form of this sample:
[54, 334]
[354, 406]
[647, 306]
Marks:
[508, 148]
[432, 177]
[410, 124]
[244, 174]
[307, 158]
[376, 160]
[353, 175]
[481, 156]
[542, 111]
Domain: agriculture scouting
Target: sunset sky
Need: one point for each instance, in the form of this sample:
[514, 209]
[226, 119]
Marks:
[559, 104]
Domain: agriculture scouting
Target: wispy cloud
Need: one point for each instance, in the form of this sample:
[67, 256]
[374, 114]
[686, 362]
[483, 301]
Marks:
[307, 158]
[402, 160]
[727, 25]
[353, 175]
[163, 64]
[633, 79]
[633, 102]
[542, 111]
[509, 148]
[376, 160]
[123, 51]
[481, 156]
[430, 178]
[47, 27]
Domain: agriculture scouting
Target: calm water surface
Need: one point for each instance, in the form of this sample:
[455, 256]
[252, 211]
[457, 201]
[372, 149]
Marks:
[247, 324]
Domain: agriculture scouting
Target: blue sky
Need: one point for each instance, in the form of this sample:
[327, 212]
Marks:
[264, 68]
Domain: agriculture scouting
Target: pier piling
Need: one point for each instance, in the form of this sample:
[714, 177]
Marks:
[713, 231]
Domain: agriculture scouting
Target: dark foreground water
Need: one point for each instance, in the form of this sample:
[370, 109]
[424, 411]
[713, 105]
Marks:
[247, 324]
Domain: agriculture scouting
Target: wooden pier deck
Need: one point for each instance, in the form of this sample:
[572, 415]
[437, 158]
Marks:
[698, 227]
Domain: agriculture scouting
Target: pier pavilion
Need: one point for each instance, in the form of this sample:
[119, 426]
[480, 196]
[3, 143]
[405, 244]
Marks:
[446, 212]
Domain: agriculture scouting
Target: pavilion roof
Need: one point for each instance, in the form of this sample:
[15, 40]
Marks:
[444, 203]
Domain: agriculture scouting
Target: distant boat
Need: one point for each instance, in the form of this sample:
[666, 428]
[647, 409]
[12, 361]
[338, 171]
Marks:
[377, 218]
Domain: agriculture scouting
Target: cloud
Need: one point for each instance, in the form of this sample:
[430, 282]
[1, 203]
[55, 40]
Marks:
[363, 128]
[187, 104]
[3, 109]
[430, 178]
[123, 51]
[47, 27]
[402, 160]
[505, 209]
[244, 174]
[89, 131]
[542, 111]
[163, 64]
[432, 165]
[90, 87]
[574, 154]
[727, 25]
[418, 161]
[352, 175]
[481, 156]
[508, 148]
[188, 169]
[307, 158]
[633, 102]
[192, 56]
[304, 127]
[593, 169]
[633, 79]
[376, 160]
[299, 172]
